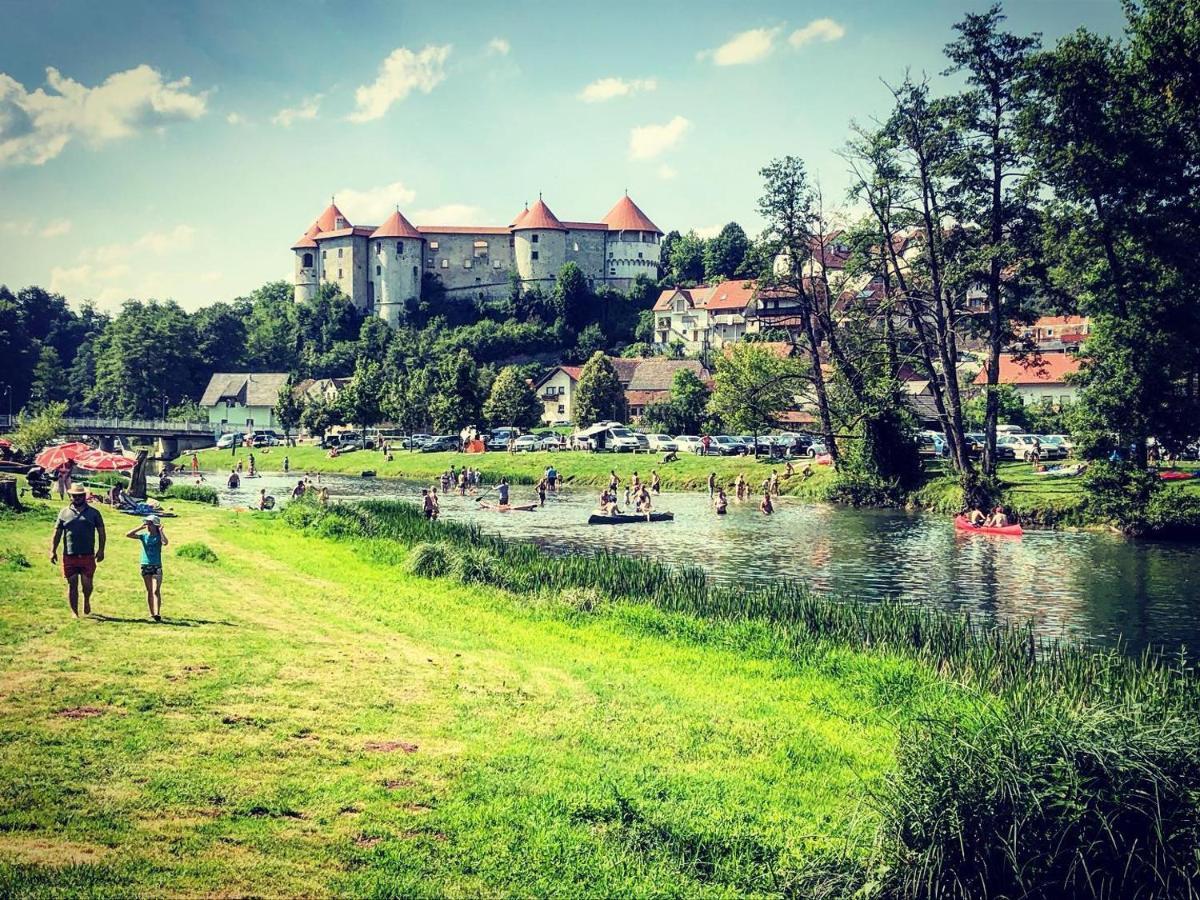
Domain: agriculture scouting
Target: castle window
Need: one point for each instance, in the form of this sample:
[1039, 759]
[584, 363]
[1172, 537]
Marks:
[534, 255]
[445, 263]
[308, 261]
[481, 249]
[496, 264]
[415, 276]
[466, 264]
[399, 248]
[378, 249]
[339, 252]
[534, 239]
[324, 255]
[639, 256]
[575, 246]
[339, 274]
[433, 245]
[378, 270]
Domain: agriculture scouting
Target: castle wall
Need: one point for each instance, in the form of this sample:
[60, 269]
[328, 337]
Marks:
[344, 263]
[307, 278]
[586, 248]
[539, 254]
[394, 271]
[455, 261]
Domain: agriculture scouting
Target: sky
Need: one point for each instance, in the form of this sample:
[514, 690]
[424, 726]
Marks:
[177, 150]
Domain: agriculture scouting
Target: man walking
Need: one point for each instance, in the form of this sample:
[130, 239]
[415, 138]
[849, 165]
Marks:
[80, 527]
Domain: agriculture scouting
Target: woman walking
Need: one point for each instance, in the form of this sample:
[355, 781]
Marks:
[152, 538]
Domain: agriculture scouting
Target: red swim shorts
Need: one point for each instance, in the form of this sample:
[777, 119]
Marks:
[79, 565]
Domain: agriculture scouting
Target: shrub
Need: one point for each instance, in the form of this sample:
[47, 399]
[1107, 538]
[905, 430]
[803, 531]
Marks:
[428, 559]
[11, 558]
[196, 493]
[197, 551]
[476, 565]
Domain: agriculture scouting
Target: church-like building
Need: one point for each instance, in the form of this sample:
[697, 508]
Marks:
[381, 267]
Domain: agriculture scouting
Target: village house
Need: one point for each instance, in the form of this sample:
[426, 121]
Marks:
[237, 401]
[322, 390]
[645, 381]
[703, 318]
[1061, 333]
[1037, 378]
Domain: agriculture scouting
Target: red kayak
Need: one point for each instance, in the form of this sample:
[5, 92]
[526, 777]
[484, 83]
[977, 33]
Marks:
[961, 523]
[1175, 475]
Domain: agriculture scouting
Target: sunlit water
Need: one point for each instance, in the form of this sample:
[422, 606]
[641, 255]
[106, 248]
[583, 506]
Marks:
[1094, 587]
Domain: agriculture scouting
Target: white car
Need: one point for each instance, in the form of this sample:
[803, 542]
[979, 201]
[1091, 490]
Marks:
[228, 439]
[662, 443]
[621, 440]
[527, 442]
[689, 442]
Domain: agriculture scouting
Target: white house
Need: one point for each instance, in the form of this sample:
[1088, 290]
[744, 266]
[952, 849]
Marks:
[1038, 378]
[238, 401]
[703, 318]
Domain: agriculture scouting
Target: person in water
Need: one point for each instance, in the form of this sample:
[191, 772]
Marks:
[655, 482]
[437, 505]
[766, 507]
[233, 482]
[552, 479]
[722, 502]
[298, 490]
[643, 501]
[739, 488]
[613, 481]
[426, 503]
[540, 487]
[712, 486]
[502, 491]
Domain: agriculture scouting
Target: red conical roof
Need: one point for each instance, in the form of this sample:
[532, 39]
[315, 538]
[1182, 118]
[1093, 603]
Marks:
[539, 216]
[396, 226]
[626, 216]
[328, 219]
[521, 215]
[305, 241]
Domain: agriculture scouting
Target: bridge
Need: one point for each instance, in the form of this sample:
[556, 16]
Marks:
[170, 438]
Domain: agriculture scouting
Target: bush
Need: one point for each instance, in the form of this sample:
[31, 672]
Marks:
[476, 565]
[197, 551]
[428, 559]
[11, 558]
[196, 493]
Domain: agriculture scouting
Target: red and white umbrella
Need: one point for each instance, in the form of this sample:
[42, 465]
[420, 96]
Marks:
[53, 457]
[102, 461]
[7, 445]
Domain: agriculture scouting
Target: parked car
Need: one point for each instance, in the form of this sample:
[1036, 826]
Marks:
[500, 438]
[1057, 441]
[228, 439]
[528, 443]
[441, 444]
[643, 442]
[689, 443]
[561, 423]
[265, 437]
[621, 440]
[579, 442]
[816, 448]
[1022, 446]
[662, 443]
[549, 440]
[931, 443]
[724, 445]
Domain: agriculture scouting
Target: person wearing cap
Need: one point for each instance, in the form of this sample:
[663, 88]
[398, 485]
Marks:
[80, 528]
[152, 538]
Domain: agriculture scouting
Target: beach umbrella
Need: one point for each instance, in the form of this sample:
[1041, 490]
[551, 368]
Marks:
[7, 445]
[101, 461]
[53, 457]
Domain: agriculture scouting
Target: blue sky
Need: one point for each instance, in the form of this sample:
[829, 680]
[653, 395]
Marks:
[179, 149]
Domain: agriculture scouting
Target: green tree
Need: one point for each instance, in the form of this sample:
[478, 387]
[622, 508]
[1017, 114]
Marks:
[48, 385]
[361, 401]
[186, 410]
[1010, 408]
[725, 254]
[753, 386]
[686, 263]
[512, 401]
[33, 432]
[572, 297]
[599, 395]
[146, 355]
[589, 342]
[318, 416]
[689, 401]
[288, 408]
[455, 402]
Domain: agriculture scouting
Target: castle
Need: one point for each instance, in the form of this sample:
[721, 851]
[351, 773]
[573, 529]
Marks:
[381, 267]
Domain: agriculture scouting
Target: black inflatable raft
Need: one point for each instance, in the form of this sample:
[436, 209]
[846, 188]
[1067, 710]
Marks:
[628, 518]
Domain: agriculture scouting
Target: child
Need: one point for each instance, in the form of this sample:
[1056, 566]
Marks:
[152, 537]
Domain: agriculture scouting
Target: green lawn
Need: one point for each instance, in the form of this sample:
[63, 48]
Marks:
[310, 721]
[689, 472]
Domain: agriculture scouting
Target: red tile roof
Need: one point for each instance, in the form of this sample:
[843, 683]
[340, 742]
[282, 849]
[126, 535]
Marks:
[522, 214]
[1043, 368]
[641, 398]
[572, 373]
[305, 242]
[460, 229]
[327, 221]
[694, 296]
[625, 216]
[396, 226]
[540, 217]
[731, 295]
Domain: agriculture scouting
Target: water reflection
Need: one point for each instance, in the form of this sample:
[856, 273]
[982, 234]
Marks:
[1094, 587]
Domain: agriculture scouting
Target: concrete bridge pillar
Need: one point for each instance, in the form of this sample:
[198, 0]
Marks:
[167, 448]
[107, 442]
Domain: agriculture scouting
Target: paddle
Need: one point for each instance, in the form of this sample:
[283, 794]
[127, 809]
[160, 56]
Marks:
[485, 493]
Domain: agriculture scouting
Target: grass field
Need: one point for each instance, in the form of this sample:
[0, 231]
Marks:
[309, 721]
[689, 472]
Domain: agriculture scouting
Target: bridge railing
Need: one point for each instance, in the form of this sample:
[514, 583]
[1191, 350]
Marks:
[117, 426]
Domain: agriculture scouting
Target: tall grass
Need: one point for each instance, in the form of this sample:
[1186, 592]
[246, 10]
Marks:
[1078, 777]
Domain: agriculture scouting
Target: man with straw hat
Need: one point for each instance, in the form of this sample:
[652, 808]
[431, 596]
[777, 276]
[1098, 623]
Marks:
[80, 528]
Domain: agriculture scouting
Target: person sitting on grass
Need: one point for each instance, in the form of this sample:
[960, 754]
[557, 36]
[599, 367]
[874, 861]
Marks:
[153, 538]
[670, 457]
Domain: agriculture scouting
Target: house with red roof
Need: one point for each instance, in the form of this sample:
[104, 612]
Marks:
[381, 267]
[1061, 333]
[703, 318]
[1037, 377]
[645, 380]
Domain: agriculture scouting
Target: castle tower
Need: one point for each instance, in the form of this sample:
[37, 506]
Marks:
[313, 249]
[539, 243]
[308, 265]
[394, 261]
[634, 243]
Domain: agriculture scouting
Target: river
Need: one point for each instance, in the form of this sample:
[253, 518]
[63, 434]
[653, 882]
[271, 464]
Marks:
[1099, 588]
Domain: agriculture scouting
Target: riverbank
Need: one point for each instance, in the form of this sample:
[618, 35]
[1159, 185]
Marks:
[311, 720]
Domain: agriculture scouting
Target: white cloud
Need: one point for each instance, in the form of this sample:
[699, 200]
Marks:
[666, 173]
[498, 46]
[745, 47]
[708, 231]
[113, 273]
[607, 88]
[152, 243]
[27, 227]
[57, 228]
[235, 119]
[448, 214]
[823, 30]
[305, 109]
[401, 73]
[648, 141]
[36, 126]
[372, 206]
